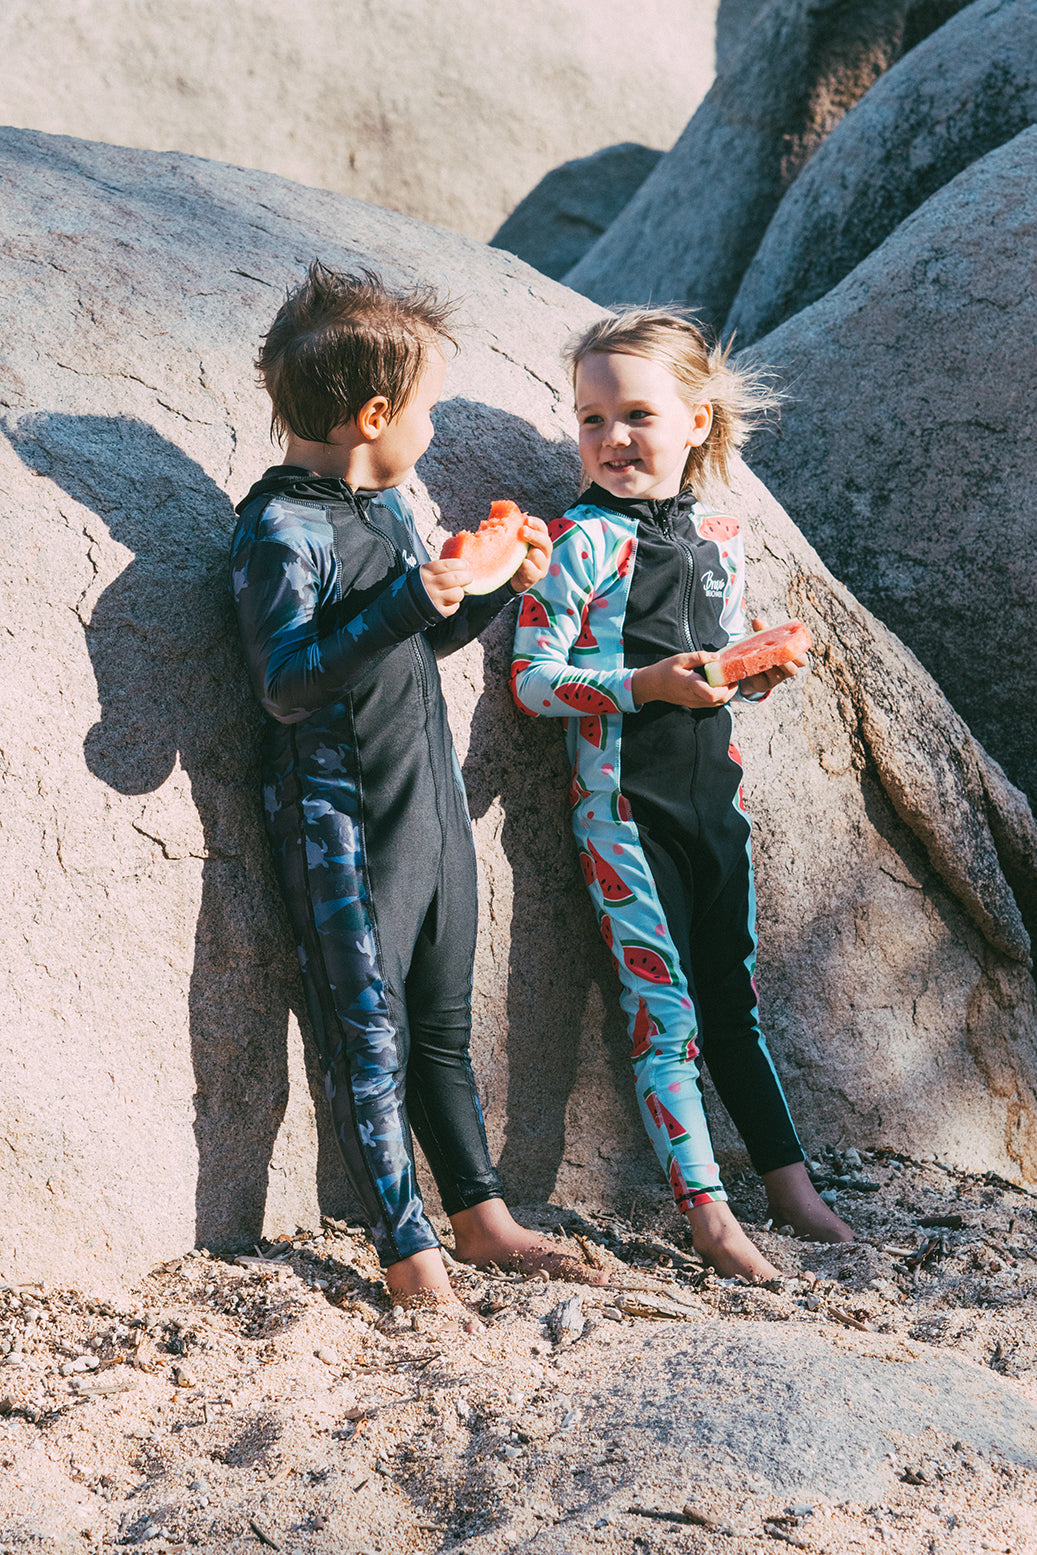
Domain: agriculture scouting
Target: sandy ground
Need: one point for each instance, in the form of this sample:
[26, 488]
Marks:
[277, 1402]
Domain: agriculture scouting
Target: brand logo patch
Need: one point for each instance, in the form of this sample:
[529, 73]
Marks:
[712, 584]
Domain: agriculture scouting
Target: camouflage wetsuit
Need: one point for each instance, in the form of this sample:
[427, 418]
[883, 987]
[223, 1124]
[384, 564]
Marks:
[367, 817]
[657, 811]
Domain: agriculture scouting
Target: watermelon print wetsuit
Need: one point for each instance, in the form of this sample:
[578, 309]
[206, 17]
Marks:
[368, 821]
[657, 812]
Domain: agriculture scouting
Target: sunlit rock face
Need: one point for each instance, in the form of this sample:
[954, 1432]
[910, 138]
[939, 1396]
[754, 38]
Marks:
[447, 110]
[156, 1091]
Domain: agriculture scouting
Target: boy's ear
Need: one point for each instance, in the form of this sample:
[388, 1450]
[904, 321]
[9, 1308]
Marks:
[373, 418]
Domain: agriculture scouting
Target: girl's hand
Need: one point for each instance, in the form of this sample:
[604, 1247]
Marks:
[679, 680]
[538, 559]
[765, 682]
[445, 584]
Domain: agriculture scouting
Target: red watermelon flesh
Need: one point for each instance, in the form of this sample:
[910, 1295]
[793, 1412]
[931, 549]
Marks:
[678, 1186]
[613, 887]
[586, 642]
[494, 551]
[652, 1103]
[645, 961]
[593, 730]
[557, 527]
[645, 1031]
[585, 699]
[675, 1130]
[762, 651]
[533, 612]
[718, 526]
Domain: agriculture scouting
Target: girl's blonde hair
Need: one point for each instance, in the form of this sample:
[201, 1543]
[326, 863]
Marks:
[741, 397]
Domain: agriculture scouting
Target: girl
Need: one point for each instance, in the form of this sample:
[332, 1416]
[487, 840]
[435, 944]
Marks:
[645, 586]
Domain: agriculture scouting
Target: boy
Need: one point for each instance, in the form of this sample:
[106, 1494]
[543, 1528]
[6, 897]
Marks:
[342, 616]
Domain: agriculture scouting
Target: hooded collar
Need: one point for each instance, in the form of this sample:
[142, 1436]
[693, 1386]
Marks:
[649, 510]
[282, 480]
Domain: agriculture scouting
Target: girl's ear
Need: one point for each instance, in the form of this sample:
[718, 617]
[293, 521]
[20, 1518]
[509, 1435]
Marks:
[373, 418]
[701, 422]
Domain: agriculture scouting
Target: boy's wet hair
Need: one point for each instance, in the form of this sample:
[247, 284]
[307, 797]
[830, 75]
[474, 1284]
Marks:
[340, 340]
[741, 397]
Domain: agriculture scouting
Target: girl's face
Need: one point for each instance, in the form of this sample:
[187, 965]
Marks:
[635, 429]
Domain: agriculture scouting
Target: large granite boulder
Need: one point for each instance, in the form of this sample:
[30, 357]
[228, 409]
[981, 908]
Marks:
[448, 110]
[689, 233]
[968, 88]
[156, 1090]
[908, 452]
[571, 206]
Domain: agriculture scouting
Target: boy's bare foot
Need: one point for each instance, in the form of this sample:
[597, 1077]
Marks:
[487, 1234]
[720, 1241]
[795, 1202]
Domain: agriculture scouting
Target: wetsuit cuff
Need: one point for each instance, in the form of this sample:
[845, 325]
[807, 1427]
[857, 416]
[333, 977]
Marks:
[419, 597]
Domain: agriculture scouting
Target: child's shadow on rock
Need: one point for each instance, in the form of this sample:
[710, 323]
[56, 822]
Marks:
[173, 691]
[556, 956]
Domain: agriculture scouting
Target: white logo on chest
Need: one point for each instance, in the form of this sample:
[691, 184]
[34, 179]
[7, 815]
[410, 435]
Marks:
[712, 585]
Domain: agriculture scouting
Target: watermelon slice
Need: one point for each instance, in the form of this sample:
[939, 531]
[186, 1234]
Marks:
[762, 651]
[494, 551]
[584, 698]
[613, 887]
[647, 962]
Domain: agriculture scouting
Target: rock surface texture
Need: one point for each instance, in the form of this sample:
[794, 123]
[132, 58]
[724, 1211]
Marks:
[571, 206]
[967, 89]
[448, 110]
[691, 230]
[156, 1090]
[919, 492]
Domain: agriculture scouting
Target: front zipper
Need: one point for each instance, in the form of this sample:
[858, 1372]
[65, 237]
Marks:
[399, 568]
[688, 578]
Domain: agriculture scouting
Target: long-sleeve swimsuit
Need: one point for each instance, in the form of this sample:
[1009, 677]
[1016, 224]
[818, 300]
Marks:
[367, 818]
[657, 812]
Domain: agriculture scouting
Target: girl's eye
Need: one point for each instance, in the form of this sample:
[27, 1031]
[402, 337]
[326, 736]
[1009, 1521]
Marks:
[591, 421]
[640, 415]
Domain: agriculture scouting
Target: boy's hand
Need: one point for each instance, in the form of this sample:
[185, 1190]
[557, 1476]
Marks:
[766, 680]
[445, 583]
[679, 680]
[538, 558]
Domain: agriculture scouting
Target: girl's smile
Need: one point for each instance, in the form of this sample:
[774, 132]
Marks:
[635, 428]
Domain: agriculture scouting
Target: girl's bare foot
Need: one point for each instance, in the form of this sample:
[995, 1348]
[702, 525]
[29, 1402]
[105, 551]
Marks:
[487, 1234]
[795, 1202]
[720, 1241]
[421, 1280]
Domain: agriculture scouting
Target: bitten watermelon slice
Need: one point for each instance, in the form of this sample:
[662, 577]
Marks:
[762, 651]
[494, 551]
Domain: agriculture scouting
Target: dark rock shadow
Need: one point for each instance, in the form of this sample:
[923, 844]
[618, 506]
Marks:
[173, 689]
[556, 954]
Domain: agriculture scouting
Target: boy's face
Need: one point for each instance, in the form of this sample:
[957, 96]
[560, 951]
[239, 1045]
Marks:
[404, 439]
